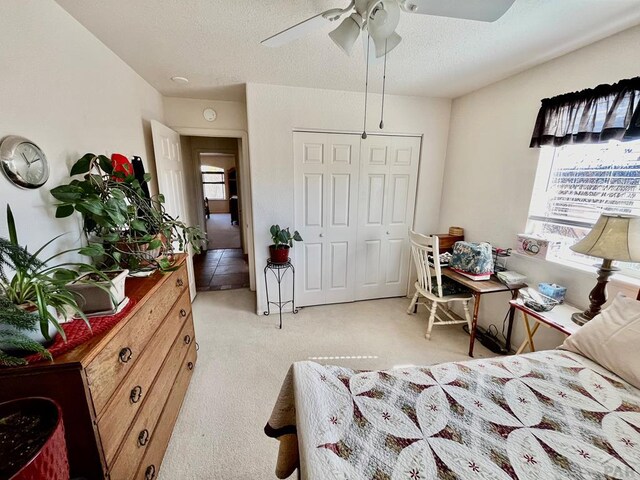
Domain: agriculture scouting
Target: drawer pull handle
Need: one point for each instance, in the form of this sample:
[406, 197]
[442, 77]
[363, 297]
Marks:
[183, 312]
[150, 472]
[125, 354]
[190, 365]
[136, 394]
[187, 339]
[179, 282]
[197, 346]
[143, 438]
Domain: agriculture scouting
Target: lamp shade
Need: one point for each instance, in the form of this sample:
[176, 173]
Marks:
[613, 237]
[347, 33]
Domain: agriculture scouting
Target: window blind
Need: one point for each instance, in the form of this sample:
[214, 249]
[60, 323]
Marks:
[587, 180]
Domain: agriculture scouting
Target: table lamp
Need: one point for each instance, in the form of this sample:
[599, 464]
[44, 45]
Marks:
[613, 237]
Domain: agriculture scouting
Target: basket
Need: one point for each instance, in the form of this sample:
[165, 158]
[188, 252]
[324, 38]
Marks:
[456, 231]
[537, 301]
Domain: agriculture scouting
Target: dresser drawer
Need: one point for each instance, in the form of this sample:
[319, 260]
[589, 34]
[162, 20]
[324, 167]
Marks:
[143, 429]
[132, 392]
[155, 451]
[111, 365]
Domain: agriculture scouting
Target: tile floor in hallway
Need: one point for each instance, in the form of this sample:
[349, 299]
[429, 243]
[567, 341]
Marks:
[222, 269]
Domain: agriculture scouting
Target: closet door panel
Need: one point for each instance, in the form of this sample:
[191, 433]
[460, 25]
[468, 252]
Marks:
[387, 195]
[326, 172]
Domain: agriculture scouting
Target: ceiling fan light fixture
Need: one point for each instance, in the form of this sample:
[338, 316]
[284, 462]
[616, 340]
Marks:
[392, 42]
[347, 33]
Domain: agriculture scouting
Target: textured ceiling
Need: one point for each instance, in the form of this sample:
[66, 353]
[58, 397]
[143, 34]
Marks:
[216, 44]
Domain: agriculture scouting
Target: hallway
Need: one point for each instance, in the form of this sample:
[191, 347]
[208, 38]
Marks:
[221, 233]
[221, 269]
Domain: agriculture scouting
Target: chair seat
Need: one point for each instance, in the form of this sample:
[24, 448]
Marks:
[449, 287]
[445, 298]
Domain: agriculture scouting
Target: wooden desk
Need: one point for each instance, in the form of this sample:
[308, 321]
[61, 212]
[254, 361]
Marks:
[479, 288]
[559, 319]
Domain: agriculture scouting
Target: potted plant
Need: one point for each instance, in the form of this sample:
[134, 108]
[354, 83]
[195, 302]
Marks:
[99, 293]
[33, 287]
[17, 334]
[124, 227]
[282, 242]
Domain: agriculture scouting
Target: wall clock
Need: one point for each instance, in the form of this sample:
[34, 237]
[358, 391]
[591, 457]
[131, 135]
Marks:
[209, 114]
[23, 162]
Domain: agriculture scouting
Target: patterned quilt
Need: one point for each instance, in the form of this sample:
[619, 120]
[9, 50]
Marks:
[544, 415]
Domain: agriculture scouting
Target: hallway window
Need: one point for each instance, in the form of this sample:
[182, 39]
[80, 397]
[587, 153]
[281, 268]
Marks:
[213, 182]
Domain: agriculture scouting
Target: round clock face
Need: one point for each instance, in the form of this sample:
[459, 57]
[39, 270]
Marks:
[23, 162]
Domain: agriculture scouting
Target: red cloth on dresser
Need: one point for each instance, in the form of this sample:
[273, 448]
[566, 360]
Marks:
[77, 332]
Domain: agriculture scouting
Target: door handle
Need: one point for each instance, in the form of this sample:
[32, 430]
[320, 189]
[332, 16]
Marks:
[387, 233]
[321, 235]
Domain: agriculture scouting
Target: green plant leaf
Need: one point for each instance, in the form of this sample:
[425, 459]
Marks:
[153, 244]
[139, 225]
[83, 165]
[11, 225]
[105, 164]
[67, 193]
[92, 250]
[297, 237]
[147, 177]
[64, 211]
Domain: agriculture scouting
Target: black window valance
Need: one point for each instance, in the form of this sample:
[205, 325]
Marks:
[595, 115]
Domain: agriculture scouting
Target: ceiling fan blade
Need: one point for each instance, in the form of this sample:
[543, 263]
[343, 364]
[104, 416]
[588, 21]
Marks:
[481, 10]
[297, 31]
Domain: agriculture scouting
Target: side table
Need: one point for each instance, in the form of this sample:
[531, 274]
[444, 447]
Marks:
[559, 318]
[279, 271]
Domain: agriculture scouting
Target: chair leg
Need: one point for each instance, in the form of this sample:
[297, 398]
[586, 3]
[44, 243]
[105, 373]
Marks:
[412, 306]
[432, 317]
[467, 314]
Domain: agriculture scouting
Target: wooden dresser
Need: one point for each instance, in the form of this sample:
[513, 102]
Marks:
[122, 391]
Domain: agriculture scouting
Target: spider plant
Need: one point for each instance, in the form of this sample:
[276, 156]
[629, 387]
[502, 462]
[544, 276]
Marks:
[31, 285]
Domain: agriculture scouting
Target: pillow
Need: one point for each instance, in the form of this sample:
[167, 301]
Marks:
[612, 339]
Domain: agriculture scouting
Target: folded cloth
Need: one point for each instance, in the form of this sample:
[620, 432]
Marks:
[282, 426]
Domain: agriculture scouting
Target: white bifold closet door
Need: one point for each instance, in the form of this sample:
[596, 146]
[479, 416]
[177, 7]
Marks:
[325, 215]
[354, 202]
[387, 195]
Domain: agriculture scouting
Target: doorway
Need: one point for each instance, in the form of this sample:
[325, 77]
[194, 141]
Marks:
[218, 196]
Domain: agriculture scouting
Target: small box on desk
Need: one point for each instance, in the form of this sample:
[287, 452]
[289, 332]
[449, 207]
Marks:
[537, 247]
[446, 241]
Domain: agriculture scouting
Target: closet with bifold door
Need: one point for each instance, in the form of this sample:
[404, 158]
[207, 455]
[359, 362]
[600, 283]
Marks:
[354, 204]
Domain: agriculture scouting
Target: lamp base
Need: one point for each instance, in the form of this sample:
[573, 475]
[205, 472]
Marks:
[579, 318]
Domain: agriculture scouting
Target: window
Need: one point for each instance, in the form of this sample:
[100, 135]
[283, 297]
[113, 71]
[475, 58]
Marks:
[213, 182]
[574, 184]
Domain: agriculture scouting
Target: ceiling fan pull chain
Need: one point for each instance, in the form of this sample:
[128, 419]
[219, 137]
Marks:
[366, 92]
[384, 84]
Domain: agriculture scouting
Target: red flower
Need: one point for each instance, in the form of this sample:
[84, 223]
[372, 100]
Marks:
[121, 164]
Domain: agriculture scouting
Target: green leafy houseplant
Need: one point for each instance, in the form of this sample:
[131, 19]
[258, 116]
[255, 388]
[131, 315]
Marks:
[282, 241]
[33, 293]
[123, 227]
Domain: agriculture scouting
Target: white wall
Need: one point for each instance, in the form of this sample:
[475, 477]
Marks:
[274, 111]
[187, 112]
[63, 89]
[490, 168]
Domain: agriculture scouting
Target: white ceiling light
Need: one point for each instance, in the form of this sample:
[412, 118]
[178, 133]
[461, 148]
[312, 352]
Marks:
[180, 79]
[382, 22]
[347, 33]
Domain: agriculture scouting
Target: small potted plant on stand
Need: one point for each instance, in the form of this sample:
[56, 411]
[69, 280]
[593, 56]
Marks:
[282, 242]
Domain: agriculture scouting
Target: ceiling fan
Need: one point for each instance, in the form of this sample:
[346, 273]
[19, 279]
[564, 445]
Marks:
[381, 17]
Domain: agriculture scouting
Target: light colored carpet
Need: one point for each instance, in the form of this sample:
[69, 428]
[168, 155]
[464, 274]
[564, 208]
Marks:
[220, 232]
[243, 359]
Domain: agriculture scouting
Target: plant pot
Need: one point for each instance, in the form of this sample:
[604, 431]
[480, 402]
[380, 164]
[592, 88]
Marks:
[279, 254]
[141, 251]
[96, 295]
[32, 443]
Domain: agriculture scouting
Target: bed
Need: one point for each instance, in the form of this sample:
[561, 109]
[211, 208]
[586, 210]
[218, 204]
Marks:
[544, 415]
